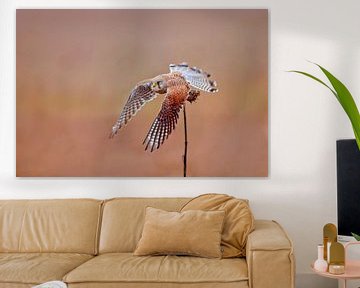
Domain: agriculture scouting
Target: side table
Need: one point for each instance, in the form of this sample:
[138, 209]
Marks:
[352, 268]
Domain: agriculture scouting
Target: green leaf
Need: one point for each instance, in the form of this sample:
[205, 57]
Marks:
[344, 97]
[357, 237]
[347, 102]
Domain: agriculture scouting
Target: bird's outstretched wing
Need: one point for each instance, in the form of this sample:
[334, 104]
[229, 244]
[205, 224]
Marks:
[141, 94]
[165, 122]
[195, 77]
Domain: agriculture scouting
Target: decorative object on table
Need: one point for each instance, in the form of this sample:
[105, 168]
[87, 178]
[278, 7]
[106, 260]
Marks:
[333, 250]
[329, 236]
[336, 269]
[70, 81]
[51, 284]
[182, 84]
[337, 258]
[344, 97]
[352, 258]
[320, 264]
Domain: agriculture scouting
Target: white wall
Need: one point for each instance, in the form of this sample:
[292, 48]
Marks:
[304, 120]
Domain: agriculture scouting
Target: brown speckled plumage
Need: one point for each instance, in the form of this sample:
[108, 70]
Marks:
[178, 86]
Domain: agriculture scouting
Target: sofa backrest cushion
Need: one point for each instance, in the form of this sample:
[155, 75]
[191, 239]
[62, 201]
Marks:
[123, 220]
[66, 226]
[239, 220]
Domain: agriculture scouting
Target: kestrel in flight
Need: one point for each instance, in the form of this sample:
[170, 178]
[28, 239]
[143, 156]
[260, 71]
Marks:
[181, 84]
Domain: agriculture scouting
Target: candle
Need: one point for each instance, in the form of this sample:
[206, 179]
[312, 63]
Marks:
[336, 269]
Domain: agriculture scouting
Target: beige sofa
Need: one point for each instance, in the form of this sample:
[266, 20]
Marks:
[89, 243]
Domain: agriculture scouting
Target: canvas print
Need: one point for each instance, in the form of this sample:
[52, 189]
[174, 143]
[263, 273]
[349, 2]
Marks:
[142, 93]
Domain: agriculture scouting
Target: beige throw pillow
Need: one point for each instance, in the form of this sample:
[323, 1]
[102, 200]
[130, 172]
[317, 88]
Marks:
[193, 232]
[239, 220]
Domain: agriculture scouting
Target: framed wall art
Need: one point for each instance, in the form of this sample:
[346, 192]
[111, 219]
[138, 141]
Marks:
[142, 92]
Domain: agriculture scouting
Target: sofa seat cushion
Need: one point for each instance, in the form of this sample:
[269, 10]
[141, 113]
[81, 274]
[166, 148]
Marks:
[36, 268]
[125, 267]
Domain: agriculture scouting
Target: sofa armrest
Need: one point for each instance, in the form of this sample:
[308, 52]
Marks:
[269, 256]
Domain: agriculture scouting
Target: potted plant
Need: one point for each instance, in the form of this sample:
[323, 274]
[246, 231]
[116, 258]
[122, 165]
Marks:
[346, 100]
[344, 97]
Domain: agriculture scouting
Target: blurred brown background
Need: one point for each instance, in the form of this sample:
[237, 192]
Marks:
[75, 69]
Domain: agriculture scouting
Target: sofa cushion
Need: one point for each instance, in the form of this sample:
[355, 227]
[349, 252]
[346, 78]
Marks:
[63, 226]
[193, 232]
[123, 220]
[127, 268]
[239, 220]
[36, 268]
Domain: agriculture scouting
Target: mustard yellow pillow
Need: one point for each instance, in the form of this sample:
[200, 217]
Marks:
[193, 232]
[238, 223]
